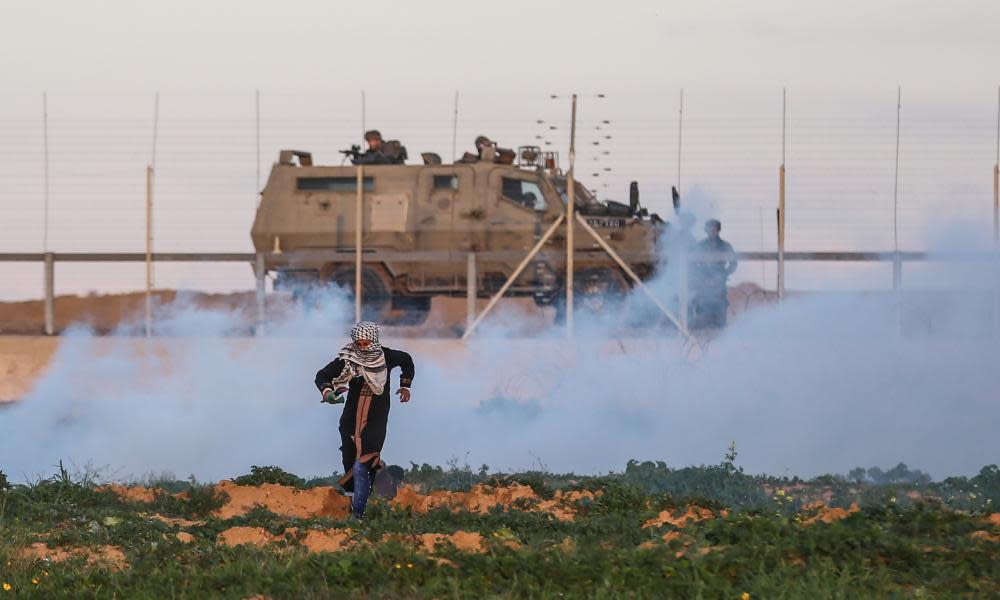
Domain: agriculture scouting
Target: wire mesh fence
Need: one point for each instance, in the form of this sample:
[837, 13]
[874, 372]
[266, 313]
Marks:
[213, 153]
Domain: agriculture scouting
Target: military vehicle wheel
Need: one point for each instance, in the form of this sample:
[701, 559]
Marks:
[596, 291]
[376, 294]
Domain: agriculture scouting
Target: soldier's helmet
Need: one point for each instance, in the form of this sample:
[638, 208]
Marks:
[482, 141]
[373, 134]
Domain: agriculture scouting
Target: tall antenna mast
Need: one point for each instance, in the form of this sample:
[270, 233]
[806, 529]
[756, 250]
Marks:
[996, 182]
[156, 126]
[364, 127]
[45, 146]
[256, 107]
[781, 201]
[454, 131]
[680, 137]
[895, 186]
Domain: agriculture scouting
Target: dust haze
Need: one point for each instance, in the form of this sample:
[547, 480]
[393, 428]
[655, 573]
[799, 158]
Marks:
[818, 384]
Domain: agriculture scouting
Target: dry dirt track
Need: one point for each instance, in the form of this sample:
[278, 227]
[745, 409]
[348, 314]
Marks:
[25, 354]
[22, 361]
[105, 313]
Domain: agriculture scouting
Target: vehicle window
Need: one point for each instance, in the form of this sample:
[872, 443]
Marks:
[446, 182]
[526, 193]
[582, 196]
[334, 184]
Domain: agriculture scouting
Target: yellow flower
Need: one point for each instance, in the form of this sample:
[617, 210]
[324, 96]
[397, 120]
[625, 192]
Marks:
[6, 587]
[399, 566]
[745, 596]
[34, 580]
[409, 565]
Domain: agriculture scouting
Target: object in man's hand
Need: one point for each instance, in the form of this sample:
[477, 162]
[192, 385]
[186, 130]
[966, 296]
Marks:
[332, 397]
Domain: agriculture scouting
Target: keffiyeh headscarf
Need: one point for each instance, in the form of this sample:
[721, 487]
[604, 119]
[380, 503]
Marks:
[368, 363]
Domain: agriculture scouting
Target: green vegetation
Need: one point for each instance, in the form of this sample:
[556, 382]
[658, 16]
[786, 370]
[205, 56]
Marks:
[262, 475]
[910, 538]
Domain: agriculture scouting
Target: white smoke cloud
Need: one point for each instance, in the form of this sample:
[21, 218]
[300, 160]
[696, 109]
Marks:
[821, 383]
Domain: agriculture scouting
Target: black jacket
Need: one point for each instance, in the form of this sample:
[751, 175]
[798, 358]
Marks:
[393, 359]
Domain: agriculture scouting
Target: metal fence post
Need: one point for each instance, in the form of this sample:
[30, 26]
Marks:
[358, 227]
[897, 271]
[684, 297]
[50, 302]
[897, 287]
[260, 272]
[471, 290]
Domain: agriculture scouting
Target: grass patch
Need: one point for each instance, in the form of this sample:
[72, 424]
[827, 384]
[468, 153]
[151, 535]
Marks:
[923, 547]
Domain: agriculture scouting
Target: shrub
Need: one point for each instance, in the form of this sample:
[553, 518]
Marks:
[270, 474]
[203, 499]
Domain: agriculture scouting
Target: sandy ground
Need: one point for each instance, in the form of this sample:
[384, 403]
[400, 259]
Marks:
[22, 361]
[25, 354]
[105, 313]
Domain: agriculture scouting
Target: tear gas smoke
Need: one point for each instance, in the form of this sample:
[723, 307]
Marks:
[821, 383]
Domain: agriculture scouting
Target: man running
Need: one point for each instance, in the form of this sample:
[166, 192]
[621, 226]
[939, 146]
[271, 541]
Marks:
[362, 369]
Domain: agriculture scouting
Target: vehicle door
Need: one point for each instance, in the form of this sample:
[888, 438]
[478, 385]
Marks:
[441, 192]
[516, 206]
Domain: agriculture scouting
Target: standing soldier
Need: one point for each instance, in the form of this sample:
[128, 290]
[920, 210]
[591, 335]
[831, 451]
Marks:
[482, 143]
[362, 370]
[710, 273]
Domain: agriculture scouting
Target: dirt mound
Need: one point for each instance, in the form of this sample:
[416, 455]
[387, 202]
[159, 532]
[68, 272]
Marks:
[134, 493]
[105, 312]
[482, 498]
[254, 536]
[693, 514]
[184, 537]
[282, 500]
[328, 540]
[666, 537]
[338, 540]
[22, 362]
[822, 513]
[994, 519]
[175, 522]
[465, 541]
[96, 556]
[985, 536]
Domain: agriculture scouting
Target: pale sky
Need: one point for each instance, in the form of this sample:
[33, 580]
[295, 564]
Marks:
[102, 62]
[927, 46]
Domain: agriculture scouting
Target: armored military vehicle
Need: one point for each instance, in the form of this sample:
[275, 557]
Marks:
[420, 222]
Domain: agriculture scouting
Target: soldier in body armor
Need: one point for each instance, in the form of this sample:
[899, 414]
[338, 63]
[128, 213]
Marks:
[380, 152]
[488, 151]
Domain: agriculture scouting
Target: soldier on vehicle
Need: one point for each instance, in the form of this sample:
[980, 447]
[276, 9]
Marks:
[482, 143]
[484, 151]
[715, 261]
[380, 152]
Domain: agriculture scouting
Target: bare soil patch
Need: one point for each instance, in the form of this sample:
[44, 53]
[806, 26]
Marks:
[97, 556]
[283, 500]
[482, 498]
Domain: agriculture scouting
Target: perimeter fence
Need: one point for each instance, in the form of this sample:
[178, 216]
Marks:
[862, 174]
